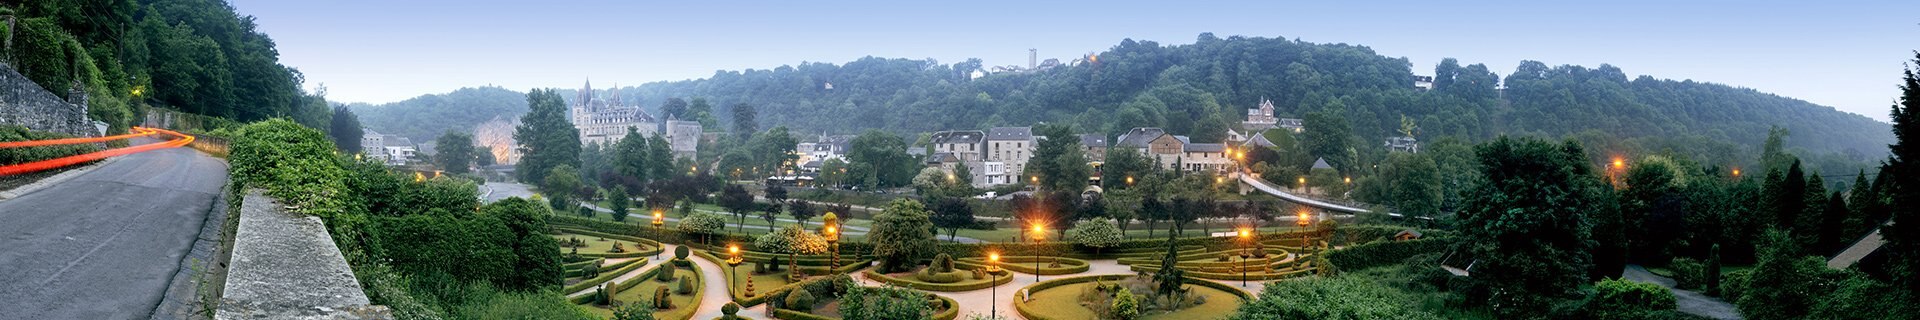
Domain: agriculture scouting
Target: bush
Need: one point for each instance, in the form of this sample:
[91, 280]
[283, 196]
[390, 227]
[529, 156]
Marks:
[681, 252]
[666, 272]
[1383, 253]
[661, 299]
[1125, 305]
[942, 263]
[774, 265]
[634, 311]
[759, 268]
[731, 309]
[799, 300]
[686, 285]
[1627, 299]
[1688, 273]
[979, 274]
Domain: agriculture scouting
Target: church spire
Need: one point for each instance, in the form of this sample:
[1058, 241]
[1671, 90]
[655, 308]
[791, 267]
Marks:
[585, 97]
[615, 92]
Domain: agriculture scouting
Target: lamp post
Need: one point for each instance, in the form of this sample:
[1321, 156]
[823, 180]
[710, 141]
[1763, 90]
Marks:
[993, 294]
[833, 241]
[1303, 222]
[733, 261]
[658, 220]
[1039, 234]
[1245, 236]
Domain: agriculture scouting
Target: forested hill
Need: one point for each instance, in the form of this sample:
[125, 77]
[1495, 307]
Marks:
[425, 117]
[1210, 84]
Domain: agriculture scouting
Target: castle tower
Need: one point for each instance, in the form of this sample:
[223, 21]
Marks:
[585, 97]
[615, 92]
[1033, 58]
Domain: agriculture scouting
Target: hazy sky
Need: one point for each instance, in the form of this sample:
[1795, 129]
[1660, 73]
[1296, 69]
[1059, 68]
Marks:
[1843, 54]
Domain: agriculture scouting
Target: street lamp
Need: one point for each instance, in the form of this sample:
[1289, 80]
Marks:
[1245, 236]
[1736, 172]
[733, 261]
[1039, 235]
[658, 220]
[1303, 222]
[833, 240]
[1303, 182]
[993, 295]
[1130, 180]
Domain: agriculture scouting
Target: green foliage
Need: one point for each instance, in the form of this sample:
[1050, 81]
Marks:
[1903, 236]
[790, 239]
[941, 263]
[681, 252]
[1529, 221]
[547, 139]
[701, 223]
[1097, 233]
[560, 185]
[882, 303]
[879, 160]
[345, 130]
[1627, 299]
[620, 200]
[799, 300]
[1169, 279]
[294, 163]
[685, 286]
[1059, 160]
[1125, 305]
[901, 235]
[1689, 273]
[455, 152]
[423, 117]
[1384, 253]
[30, 154]
[638, 310]
[1344, 297]
[662, 299]
[518, 305]
[666, 273]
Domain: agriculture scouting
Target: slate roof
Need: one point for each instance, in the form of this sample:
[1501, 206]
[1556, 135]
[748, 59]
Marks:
[1321, 163]
[1093, 140]
[1010, 133]
[957, 136]
[1206, 147]
[1138, 137]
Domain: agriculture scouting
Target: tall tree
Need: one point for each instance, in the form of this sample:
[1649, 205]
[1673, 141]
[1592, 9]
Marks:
[952, 213]
[345, 130]
[1529, 219]
[620, 200]
[456, 152]
[675, 107]
[902, 235]
[1903, 236]
[560, 186]
[547, 139]
[738, 201]
[631, 157]
[880, 160]
[1327, 136]
[1058, 160]
[660, 158]
[744, 122]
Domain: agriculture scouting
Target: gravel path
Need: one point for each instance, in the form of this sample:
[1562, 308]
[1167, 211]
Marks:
[1689, 302]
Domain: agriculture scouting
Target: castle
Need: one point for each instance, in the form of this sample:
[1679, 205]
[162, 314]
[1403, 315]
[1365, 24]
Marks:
[605, 121]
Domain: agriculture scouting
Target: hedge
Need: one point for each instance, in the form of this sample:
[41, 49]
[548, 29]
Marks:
[1024, 264]
[1384, 253]
[656, 249]
[1020, 304]
[604, 276]
[699, 279]
[952, 312]
[998, 279]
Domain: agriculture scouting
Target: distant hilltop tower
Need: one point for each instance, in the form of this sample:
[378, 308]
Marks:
[1033, 58]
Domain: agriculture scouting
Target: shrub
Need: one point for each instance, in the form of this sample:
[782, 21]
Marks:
[666, 272]
[759, 268]
[942, 263]
[1125, 305]
[681, 252]
[774, 265]
[1688, 273]
[1627, 299]
[634, 311]
[800, 300]
[686, 285]
[979, 274]
[1383, 253]
[731, 309]
[662, 299]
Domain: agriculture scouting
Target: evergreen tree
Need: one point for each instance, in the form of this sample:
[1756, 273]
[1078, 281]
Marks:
[631, 157]
[744, 122]
[1788, 196]
[1903, 236]
[345, 130]
[1833, 220]
[1058, 160]
[1169, 279]
[1529, 219]
[660, 158]
[547, 139]
[620, 200]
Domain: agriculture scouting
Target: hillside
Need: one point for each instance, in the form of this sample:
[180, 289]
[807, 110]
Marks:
[1197, 88]
[425, 117]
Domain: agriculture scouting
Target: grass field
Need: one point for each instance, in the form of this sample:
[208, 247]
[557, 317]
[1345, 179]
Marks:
[597, 244]
[1063, 302]
[683, 303]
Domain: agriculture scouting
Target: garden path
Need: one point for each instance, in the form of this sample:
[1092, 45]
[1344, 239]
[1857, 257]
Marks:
[1689, 301]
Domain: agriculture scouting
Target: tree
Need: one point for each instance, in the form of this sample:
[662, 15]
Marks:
[775, 149]
[1328, 137]
[631, 157]
[1170, 278]
[660, 158]
[952, 213]
[345, 130]
[1125, 305]
[701, 223]
[537, 257]
[1789, 196]
[738, 201]
[770, 212]
[547, 139]
[1413, 184]
[801, 211]
[1122, 164]
[1098, 233]
[1529, 219]
[560, 185]
[456, 152]
[1903, 236]
[620, 200]
[1058, 160]
[901, 235]
[744, 124]
[675, 107]
[880, 160]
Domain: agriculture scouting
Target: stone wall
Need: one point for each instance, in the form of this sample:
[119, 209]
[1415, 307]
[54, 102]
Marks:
[24, 103]
[285, 266]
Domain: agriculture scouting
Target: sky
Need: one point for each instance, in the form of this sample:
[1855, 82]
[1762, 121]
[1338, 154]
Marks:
[1844, 54]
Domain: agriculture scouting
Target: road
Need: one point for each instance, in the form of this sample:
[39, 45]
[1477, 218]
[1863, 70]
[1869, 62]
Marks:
[1686, 301]
[107, 243]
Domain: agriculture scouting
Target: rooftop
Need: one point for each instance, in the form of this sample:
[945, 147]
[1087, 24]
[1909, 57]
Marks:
[1010, 133]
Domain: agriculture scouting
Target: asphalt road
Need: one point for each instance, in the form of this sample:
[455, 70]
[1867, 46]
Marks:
[107, 243]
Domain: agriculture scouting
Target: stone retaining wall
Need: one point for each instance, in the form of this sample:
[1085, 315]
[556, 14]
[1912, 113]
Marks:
[285, 266]
[24, 103]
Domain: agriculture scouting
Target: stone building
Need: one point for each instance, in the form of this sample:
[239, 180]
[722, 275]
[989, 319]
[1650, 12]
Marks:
[684, 138]
[605, 121]
[1175, 152]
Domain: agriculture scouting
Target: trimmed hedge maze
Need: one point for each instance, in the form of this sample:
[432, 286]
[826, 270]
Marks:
[1059, 299]
[1024, 264]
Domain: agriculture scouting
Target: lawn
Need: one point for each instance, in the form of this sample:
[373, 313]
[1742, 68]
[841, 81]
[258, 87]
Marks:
[597, 244]
[643, 289]
[1063, 302]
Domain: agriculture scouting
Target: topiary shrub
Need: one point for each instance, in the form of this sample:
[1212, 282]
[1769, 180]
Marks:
[662, 299]
[666, 272]
[1688, 273]
[1626, 299]
[686, 285]
[759, 268]
[681, 252]
[942, 263]
[731, 310]
[979, 274]
[800, 300]
[774, 265]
